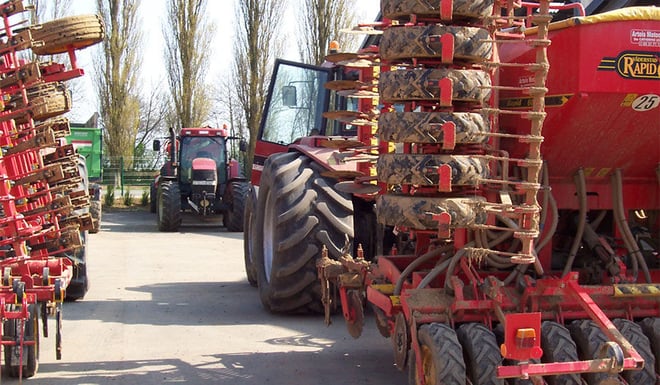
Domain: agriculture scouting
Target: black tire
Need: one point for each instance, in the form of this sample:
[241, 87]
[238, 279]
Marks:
[651, 328]
[422, 169]
[153, 198]
[470, 44]
[235, 196]
[169, 206]
[249, 227]
[413, 211]
[11, 329]
[402, 9]
[300, 212]
[79, 284]
[588, 339]
[425, 127]
[442, 356]
[558, 346]
[76, 31]
[634, 334]
[481, 354]
[421, 84]
[96, 211]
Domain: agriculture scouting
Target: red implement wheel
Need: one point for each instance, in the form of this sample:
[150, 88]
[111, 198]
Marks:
[442, 356]
[481, 354]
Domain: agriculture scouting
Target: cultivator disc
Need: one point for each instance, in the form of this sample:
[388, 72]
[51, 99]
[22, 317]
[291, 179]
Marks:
[43, 202]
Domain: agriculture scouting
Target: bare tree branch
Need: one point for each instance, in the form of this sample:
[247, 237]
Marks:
[320, 23]
[188, 35]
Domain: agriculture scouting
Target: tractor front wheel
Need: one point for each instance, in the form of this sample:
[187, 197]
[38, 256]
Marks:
[235, 196]
[169, 206]
[299, 212]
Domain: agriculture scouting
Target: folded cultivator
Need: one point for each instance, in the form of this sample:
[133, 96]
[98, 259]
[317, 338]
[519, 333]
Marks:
[43, 201]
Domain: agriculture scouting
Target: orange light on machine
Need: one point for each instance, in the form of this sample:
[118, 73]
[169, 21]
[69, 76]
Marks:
[525, 338]
[333, 47]
[522, 336]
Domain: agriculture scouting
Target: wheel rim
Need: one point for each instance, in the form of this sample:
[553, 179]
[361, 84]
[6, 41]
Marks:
[269, 233]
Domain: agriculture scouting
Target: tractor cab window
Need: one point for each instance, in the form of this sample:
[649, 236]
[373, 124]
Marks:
[297, 101]
[193, 147]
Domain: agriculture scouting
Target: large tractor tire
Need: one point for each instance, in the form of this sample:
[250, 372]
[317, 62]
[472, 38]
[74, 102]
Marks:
[402, 9]
[12, 330]
[589, 338]
[426, 127]
[299, 212]
[481, 354]
[634, 334]
[250, 226]
[169, 206]
[470, 44]
[235, 196]
[558, 346]
[75, 32]
[423, 84]
[442, 356]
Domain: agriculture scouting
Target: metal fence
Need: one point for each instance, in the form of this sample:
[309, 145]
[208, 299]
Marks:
[120, 173]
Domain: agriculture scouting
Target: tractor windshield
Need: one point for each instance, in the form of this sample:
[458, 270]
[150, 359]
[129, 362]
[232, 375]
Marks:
[193, 147]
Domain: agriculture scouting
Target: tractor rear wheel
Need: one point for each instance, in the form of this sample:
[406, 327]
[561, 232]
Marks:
[634, 334]
[235, 198]
[250, 226]
[442, 356]
[169, 206]
[588, 338]
[558, 346]
[12, 329]
[481, 354]
[299, 212]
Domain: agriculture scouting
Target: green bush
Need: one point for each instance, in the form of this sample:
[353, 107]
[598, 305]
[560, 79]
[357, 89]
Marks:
[127, 198]
[144, 199]
[109, 197]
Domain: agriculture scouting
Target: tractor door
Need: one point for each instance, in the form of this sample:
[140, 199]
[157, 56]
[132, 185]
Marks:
[294, 109]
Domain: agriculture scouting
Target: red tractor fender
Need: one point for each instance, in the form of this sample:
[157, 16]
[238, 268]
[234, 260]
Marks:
[234, 169]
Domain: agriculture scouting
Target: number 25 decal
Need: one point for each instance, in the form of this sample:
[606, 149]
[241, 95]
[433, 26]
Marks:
[646, 102]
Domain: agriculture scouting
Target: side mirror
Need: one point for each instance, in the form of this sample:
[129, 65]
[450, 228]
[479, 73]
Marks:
[156, 145]
[289, 96]
[243, 145]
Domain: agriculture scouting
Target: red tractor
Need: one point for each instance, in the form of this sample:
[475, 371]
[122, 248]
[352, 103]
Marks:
[199, 178]
[485, 177]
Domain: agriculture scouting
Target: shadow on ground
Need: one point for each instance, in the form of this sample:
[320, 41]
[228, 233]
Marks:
[326, 366]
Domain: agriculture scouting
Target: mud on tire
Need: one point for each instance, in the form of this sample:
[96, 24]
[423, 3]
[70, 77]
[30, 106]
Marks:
[421, 84]
[470, 44]
[299, 212]
[402, 9]
[250, 227]
[426, 127]
[634, 334]
[422, 169]
[414, 212]
[588, 338]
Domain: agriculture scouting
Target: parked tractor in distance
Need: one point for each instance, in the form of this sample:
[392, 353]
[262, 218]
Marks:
[199, 178]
